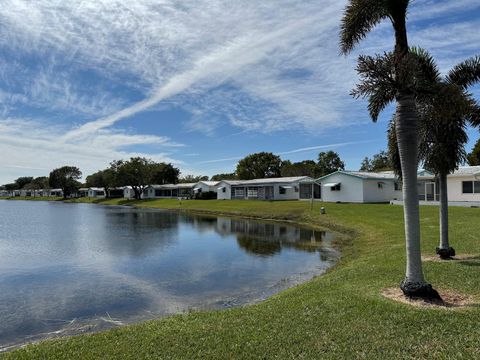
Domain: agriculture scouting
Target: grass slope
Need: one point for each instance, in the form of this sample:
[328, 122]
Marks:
[338, 315]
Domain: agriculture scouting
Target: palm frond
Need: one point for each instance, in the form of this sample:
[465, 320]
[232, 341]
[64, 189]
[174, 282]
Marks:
[426, 66]
[442, 129]
[359, 18]
[376, 82]
[393, 153]
[465, 74]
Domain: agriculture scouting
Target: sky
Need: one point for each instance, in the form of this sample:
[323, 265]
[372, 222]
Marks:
[198, 83]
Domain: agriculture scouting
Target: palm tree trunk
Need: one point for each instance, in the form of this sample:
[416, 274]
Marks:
[444, 251]
[414, 284]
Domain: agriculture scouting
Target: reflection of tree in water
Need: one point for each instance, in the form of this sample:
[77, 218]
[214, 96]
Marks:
[254, 245]
[267, 239]
[138, 232]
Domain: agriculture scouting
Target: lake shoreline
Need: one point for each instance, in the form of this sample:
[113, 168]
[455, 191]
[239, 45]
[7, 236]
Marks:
[80, 326]
[341, 314]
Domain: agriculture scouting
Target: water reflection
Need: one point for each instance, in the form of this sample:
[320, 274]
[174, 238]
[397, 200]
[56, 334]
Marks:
[70, 265]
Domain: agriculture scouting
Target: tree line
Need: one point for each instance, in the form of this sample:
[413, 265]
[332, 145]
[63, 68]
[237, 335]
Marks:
[140, 172]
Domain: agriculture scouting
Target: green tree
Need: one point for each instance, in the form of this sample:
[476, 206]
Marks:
[445, 117]
[301, 168]
[22, 181]
[38, 183]
[329, 162]
[474, 157]
[379, 162]
[359, 18]
[445, 110]
[138, 172]
[10, 186]
[192, 179]
[227, 176]
[105, 179]
[259, 166]
[65, 178]
[165, 174]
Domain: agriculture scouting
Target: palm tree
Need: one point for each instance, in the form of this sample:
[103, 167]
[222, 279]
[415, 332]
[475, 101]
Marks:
[443, 134]
[445, 109]
[360, 17]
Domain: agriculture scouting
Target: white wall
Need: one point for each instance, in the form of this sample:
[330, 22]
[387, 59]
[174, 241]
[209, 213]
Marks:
[455, 189]
[290, 194]
[351, 189]
[372, 193]
[227, 195]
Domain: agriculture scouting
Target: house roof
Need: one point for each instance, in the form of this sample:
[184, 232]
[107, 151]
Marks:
[281, 180]
[209, 183]
[384, 175]
[174, 186]
[466, 171]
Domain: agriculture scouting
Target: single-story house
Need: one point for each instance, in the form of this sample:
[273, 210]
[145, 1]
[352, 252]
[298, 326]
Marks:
[356, 187]
[128, 192]
[169, 191]
[463, 185]
[205, 186]
[56, 193]
[92, 192]
[116, 192]
[286, 188]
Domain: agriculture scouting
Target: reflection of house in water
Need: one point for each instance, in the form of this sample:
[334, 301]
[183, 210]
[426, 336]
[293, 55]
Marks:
[265, 238]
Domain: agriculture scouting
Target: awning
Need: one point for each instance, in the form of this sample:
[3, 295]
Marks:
[331, 184]
[287, 187]
[221, 188]
[197, 189]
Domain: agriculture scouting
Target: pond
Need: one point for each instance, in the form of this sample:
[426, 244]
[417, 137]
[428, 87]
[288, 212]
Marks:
[72, 268]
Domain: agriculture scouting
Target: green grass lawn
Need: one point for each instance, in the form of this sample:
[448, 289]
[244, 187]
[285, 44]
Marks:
[339, 315]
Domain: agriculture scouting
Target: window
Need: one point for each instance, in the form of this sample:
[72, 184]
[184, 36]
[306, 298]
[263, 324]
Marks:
[398, 186]
[335, 188]
[471, 187]
[252, 192]
[467, 187]
[224, 189]
[238, 192]
[380, 185]
[282, 190]
[296, 188]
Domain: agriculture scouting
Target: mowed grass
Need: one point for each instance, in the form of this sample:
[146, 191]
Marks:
[339, 315]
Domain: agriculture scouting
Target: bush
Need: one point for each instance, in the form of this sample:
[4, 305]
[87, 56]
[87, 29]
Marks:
[207, 195]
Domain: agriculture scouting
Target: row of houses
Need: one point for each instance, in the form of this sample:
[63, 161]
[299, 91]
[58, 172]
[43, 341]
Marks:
[340, 186]
[33, 193]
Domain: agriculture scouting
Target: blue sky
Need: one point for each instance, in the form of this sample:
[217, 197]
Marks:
[200, 83]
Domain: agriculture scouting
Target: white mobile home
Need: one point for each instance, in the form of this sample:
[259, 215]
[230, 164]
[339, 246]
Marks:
[95, 192]
[205, 186]
[463, 186]
[169, 191]
[286, 188]
[359, 187]
[128, 192]
[56, 193]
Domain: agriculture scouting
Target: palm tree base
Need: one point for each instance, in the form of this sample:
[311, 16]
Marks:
[415, 290]
[445, 254]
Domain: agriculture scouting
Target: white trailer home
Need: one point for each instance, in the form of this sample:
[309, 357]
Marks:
[463, 186]
[169, 191]
[128, 192]
[286, 188]
[205, 186]
[359, 187]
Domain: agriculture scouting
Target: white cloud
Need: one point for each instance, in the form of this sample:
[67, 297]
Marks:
[258, 66]
[33, 149]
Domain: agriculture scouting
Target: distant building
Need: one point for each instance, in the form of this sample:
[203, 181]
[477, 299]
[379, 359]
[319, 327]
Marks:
[356, 187]
[286, 188]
